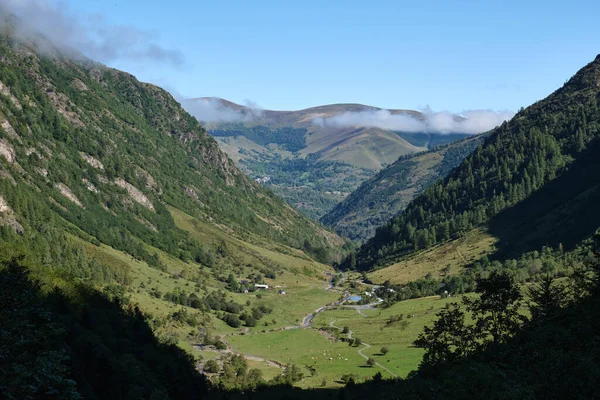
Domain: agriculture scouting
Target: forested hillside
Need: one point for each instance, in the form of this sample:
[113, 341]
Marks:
[125, 233]
[386, 194]
[103, 154]
[541, 144]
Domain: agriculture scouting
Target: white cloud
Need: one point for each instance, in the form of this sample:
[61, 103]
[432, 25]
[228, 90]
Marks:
[92, 35]
[472, 121]
[213, 110]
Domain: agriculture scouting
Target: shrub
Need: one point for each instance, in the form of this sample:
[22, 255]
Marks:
[212, 367]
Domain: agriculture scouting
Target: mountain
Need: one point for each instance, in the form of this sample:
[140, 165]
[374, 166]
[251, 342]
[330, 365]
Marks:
[533, 182]
[313, 165]
[386, 194]
[109, 154]
[126, 233]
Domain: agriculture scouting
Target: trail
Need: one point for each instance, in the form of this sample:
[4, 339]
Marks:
[306, 323]
[360, 351]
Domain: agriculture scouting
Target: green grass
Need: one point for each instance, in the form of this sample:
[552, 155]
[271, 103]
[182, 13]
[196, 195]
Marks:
[306, 347]
[457, 254]
[305, 282]
[397, 337]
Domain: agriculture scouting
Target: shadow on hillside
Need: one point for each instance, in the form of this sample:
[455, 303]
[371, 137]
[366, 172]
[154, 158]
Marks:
[84, 345]
[566, 210]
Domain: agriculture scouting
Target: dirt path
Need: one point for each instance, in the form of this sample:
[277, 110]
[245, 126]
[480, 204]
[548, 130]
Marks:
[359, 308]
[360, 351]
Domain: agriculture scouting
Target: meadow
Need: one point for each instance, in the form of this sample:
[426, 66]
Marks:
[445, 259]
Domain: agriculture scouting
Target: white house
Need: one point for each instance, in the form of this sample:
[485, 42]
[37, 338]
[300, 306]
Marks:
[261, 286]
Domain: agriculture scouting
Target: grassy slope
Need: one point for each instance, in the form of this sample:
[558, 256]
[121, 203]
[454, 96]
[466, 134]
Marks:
[303, 279]
[402, 357]
[305, 283]
[457, 254]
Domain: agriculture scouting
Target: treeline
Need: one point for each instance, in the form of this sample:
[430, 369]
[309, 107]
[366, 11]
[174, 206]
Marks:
[530, 267]
[517, 159]
[229, 311]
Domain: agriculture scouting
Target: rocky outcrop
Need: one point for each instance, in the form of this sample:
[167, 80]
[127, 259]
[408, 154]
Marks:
[135, 193]
[68, 193]
[7, 217]
[7, 151]
[94, 162]
[6, 92]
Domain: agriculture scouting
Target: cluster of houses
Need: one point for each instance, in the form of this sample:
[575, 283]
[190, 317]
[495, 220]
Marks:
[264, 286]
[263, 180]
[377, 298]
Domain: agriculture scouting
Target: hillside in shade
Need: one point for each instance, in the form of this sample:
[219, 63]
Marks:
[538, 168]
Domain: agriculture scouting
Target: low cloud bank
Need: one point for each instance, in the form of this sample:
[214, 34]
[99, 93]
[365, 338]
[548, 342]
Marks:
[213, 110]
[472, 121]
[92, 35]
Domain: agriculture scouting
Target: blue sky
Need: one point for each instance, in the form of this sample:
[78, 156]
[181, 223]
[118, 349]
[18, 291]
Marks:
[449, 55]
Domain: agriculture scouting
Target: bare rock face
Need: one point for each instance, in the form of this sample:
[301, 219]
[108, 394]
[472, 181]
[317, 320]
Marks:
[7, 127]
[5, 90]
[7, 151]
[79, 85]
[94, 162]
[68, 193]
[135, 193]
[7, 217]
[89, 185]
[149, 180]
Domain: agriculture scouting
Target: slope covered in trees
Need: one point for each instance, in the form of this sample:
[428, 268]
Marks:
[107, 154]
[123, 231]
[539, 145]
[386, 194]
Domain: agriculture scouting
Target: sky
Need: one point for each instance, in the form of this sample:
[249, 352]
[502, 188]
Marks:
[283, 55]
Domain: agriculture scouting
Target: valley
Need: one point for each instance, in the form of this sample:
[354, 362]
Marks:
[158, 247]
[310, 164]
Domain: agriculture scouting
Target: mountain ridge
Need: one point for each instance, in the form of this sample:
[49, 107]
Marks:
[516, 160]
[334, 159]
[386, 194]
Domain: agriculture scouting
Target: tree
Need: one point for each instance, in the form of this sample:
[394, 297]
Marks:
[546, 298]
[357, 342]
[449, 338]
[496, 311]
[254, 379]
[233, 284]
[495, 315]
[371, 362]
[291, 374]
[250, 321]
[346, 329]
[349, 379]
[384, 350]
[211, 366]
